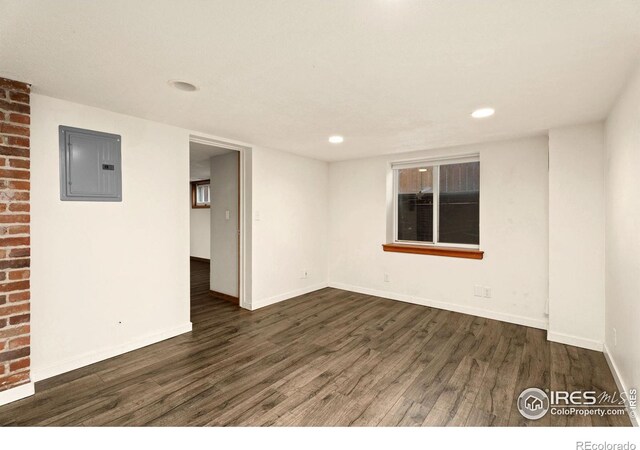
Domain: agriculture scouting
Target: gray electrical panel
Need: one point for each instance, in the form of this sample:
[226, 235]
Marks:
[90, 165]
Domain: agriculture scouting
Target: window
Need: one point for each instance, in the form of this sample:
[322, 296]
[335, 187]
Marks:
[437, 202]
[200, 194]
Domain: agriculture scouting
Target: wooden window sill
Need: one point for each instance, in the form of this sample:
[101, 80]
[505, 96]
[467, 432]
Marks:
[453, 252]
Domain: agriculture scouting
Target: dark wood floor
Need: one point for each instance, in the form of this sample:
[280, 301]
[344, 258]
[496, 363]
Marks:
[331, 357]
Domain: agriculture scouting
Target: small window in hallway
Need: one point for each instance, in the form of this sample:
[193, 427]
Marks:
[200, 194]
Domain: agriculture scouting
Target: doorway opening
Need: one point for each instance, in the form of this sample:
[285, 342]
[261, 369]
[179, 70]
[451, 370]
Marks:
[216, 229]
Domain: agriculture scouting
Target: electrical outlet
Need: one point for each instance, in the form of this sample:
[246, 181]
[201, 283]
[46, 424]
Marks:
[386, 278]
[615, 337]
[487, 292]
[478, 290]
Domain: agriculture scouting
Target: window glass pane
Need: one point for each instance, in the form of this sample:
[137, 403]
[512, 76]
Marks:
[202, 194]
[459, 211]
[415, 204]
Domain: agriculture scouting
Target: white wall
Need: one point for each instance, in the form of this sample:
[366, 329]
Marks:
[200, 231]
[223, 230]
[513, 235]
[576, 235]
[622, 307]
[290, 211]
[107, 277]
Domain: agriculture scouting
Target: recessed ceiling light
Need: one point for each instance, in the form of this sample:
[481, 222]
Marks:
[336, 139]
[183, 85]
[422, 170]
[482, 113]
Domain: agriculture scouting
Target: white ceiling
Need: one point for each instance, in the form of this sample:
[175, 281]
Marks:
[389, 75]
[199, 156]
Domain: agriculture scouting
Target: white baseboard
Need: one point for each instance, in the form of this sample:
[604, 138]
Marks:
[16, 393]
[622, 386]
[576, 341]
[286, 296]
[519, 320]
[38, 374]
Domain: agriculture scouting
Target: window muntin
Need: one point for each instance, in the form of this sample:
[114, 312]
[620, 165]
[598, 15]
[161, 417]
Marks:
[438, 202]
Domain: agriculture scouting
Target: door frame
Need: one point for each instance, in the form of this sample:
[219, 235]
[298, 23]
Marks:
[244, 212]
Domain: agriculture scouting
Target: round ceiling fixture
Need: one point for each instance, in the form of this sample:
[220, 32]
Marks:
[482, 113]
[183, 85]
[336, 139]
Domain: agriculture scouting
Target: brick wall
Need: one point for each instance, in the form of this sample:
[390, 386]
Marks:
[14, 234]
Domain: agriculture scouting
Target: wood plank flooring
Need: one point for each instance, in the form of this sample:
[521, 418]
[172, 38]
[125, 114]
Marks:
[331, 357]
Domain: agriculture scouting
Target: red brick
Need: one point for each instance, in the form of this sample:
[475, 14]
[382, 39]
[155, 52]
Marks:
[1, 367]
[14, 196]
[23, 318]
[17, 130]
[21, 341]
[16, 229]
[14, 263]
[15, 174]
[19, 274]
[3, 94]
[13, 151]
[19, 365]
[3, 299]
[19, 207]
[15, 107]
[20, 97]
[3, 117]
[3, 276]
[14, 286]
[3, 323]
[14, 354]
[15, 331]
[19, 163]
[19, 185]
[14, 218]
[12, 85]
[20, 118]
[19, 296]
[17, 141]
[18, 253]
[15, 241]
[9, 310]
[13, 380]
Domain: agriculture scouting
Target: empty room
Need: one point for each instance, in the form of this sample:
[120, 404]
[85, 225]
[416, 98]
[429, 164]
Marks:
[321, 213]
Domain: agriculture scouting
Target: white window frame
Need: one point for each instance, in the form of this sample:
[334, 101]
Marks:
[435, 163]
[201, 188]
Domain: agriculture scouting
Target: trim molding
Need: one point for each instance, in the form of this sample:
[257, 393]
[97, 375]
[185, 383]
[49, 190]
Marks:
[17, 393]
[576, 341]
[225, 297]
[69, 364]
[519, 320]
[453, 252]
[622, 386]
[197, 258]
[286, 296]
